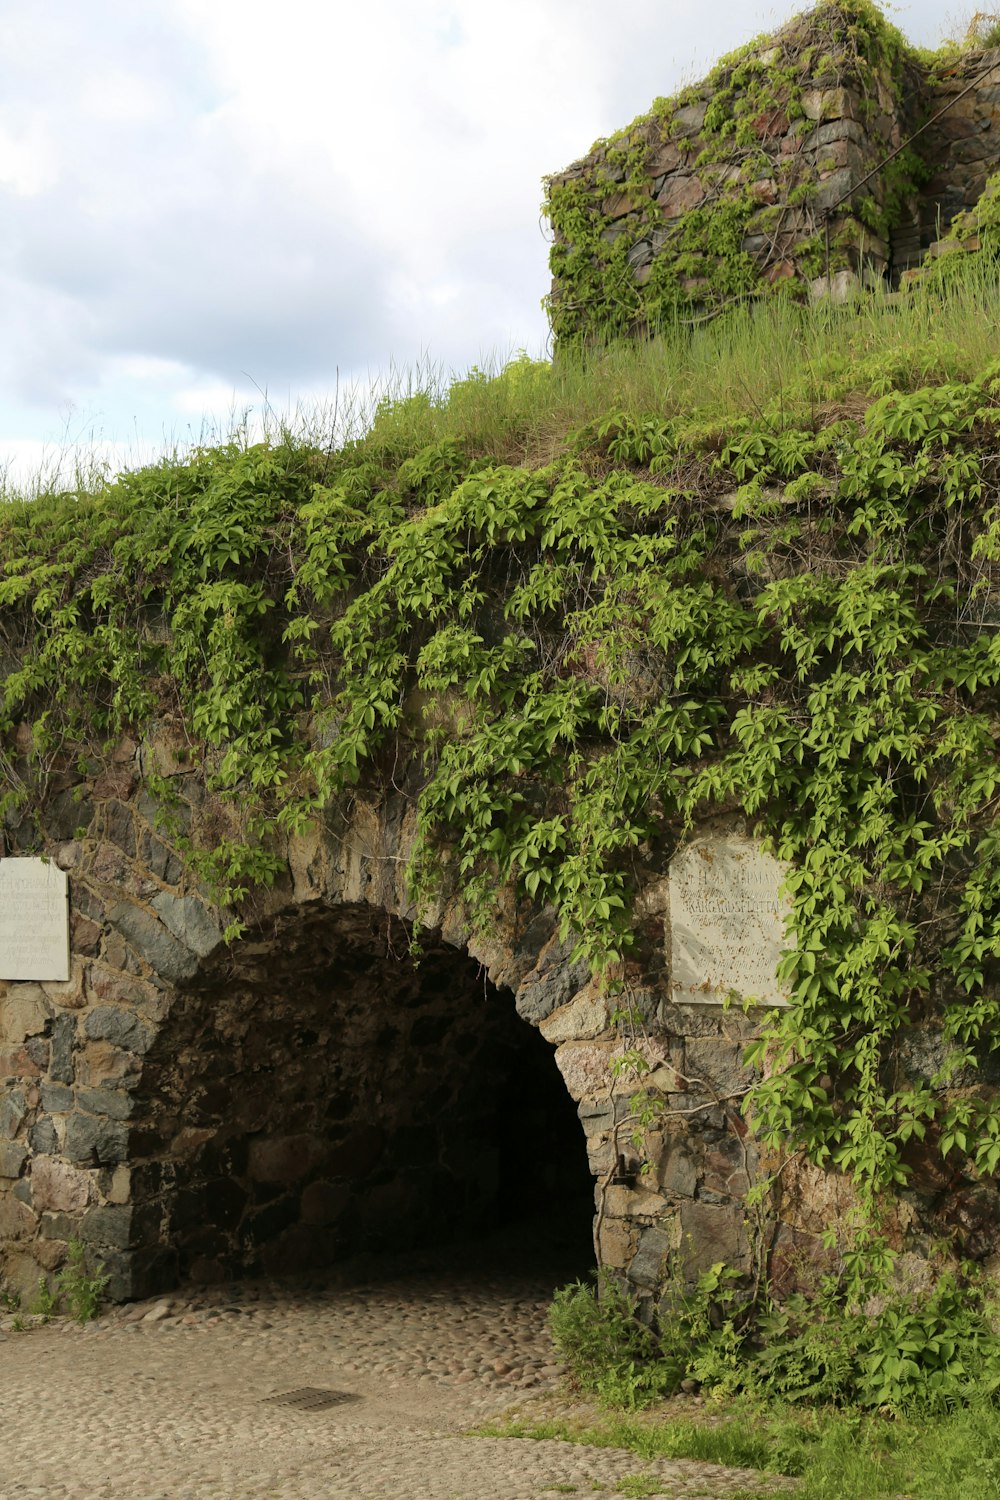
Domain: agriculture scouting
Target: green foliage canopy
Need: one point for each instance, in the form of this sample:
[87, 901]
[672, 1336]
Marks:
[791, 616]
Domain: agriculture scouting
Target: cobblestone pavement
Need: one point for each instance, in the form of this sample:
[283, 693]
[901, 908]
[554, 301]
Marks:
[170, 1399]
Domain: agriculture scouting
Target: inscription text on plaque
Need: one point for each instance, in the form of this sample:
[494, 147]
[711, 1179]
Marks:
[727, 922]
[34, 920]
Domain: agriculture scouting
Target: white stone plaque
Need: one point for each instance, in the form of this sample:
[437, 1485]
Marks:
[34, 920]
[727, 922]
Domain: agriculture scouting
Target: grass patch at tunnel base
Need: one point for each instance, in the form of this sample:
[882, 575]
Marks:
[833, 1455]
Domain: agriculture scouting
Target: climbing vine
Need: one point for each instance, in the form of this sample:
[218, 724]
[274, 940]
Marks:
[794, 618]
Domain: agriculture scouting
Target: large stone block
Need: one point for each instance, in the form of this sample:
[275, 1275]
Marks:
[61, 1056]
[57, 1186]
[714, 1066]
[150, 938]
[189, 921]
[554, 980]
[13, 1108]
[712, 1233]
[24, 1012]
[12, 1159]
[586, 1016]
[17, 1222]
[120, 1028]
[283, 1158]
[649, 1266]
[107, 1225]
[95, 1141]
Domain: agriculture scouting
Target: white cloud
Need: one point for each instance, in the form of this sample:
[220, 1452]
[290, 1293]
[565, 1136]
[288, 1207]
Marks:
[197, 197]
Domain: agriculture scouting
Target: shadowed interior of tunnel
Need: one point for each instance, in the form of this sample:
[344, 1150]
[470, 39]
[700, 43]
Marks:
[315, 1094]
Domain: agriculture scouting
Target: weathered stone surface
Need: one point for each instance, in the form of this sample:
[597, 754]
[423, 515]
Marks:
[678, 1171]
[13, 1108]
[12, 1159]
[119, 1027]
[100, 1063]
[67, 814]
[93, 1140]
[56, 1098]
[159, 860]
[151, 939]
[586, 1067]
[189, 921]
[679, 195]
[119, 827]
[114, 1103]
[24, 1011]
[282, 1158]
[553, 981]
[711, 1233]
[42, 1137]
[648, 1268]
[688, 120]
[727, 918]
[325, 1202]
[588, 1015]
[110, 1225]
[17, 1222]
[618, 1241]
[57, 1186]
[61, 1057]
[715, 1066]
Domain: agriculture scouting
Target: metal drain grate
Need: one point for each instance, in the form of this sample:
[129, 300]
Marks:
[310, 1398]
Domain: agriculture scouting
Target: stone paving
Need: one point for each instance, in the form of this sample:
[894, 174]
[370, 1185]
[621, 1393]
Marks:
[169, 1399]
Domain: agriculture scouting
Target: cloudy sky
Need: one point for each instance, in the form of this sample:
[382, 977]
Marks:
[203, 201]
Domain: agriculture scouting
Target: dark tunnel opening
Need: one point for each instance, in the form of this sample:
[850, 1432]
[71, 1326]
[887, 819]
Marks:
[315, 1095]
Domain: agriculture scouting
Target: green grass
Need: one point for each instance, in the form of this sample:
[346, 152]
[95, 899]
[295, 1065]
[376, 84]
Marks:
[772, 356]
[833, 1455]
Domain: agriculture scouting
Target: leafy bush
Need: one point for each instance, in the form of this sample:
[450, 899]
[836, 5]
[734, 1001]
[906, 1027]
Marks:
[608, 1350]
[935, 1352]
[81, 1285]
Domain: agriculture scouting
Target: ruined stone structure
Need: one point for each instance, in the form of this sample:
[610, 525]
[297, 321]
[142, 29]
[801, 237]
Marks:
[772, 174]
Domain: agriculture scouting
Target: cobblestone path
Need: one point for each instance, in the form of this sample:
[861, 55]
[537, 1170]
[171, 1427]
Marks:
[169, 1399]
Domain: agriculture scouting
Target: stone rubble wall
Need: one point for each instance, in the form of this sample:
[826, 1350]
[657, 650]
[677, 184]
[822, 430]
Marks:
[807, 155]
[800, 167]
[963, 148]
[174, 1104]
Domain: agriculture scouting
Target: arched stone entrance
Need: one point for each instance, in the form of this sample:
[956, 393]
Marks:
[191, 1108]
[187, 1107]
[316, 1092]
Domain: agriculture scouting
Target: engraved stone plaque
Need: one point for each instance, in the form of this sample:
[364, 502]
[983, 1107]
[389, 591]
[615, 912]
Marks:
[34, 920]
[727, 922]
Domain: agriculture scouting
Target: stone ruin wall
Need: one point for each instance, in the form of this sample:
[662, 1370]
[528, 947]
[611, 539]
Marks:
[963, 148]
[809, 165]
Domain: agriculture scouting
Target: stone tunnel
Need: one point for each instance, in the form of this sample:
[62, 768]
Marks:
[196, 1109]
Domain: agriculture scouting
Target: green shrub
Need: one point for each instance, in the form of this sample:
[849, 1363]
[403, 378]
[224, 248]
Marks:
[608, 1350]
[81, 1285]
[934, 1352]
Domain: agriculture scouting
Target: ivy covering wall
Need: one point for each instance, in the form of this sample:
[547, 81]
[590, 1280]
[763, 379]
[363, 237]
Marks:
[793, 614]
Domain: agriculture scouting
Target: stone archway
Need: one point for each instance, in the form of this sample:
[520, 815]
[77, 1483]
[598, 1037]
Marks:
[118, 1090]
[316, 1093]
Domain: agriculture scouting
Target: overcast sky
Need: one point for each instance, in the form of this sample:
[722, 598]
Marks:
[203, 200]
